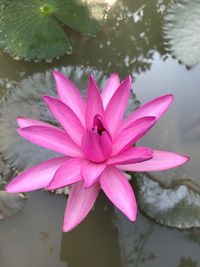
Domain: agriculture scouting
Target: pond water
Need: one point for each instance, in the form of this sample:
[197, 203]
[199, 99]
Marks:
[130, 42]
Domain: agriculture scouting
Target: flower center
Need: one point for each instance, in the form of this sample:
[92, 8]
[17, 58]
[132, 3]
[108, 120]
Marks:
[98, 126]
[96, 142]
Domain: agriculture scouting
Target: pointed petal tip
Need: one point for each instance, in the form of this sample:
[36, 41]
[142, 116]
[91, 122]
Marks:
[92, 81]
[180, 159]
[13, 188]
[68, 227]
[170, 97]
[132, 216]
[59, 76]
[20, 121]
[91, 78]
[131, 213]
[185, 158]
[56, 73]
[19, 118]
[79, 204]
[114, 74]
[161, 160]
[47, 98]
[19, 130]
[129, 77]
[167, 99]
[128, 80]
[50, 100]
[8, 188]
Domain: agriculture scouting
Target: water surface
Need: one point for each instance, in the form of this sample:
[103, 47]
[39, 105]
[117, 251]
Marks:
[131, 42]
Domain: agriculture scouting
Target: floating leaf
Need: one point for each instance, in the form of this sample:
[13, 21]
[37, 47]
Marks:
[32, 29]
[182, 30]
[10, 203]
[25, 99]
[177, 207]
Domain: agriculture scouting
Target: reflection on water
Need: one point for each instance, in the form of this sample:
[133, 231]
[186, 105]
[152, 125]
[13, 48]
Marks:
[178, 130]
[105, 239]
[94, 242]
[126, 44]
[145, 244]
[132, 239]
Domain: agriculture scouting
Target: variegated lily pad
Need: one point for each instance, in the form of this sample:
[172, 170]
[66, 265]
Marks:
[178, 206]
[36, 29]
[182, 29]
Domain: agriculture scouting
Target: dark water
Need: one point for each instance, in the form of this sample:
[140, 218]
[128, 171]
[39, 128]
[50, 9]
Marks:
[131, 42]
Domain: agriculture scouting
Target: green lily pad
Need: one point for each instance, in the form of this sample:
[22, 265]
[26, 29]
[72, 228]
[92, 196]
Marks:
[182, 30]
[33, 29]
[178, 206]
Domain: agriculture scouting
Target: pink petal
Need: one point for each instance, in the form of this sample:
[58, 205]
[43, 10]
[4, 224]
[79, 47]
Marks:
[80, 202]
[131, 135]
[110, 88]
[36, 177]
[49, 138]
[162, 160]
[94, 103]
[156, 108]
[67, 118]
[90, 172]
[106, 144]
[26, 122]
[68, 173]
[93, 146]
[132, 155]
[70, 95]
[119, 191]
[116, 107]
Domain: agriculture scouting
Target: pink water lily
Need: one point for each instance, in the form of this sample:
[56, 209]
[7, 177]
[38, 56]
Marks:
[97, 144]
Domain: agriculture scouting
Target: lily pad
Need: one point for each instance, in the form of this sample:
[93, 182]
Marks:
[175, 207]
[10, 204]
[25, 99]
[33, 29]
[182, 30]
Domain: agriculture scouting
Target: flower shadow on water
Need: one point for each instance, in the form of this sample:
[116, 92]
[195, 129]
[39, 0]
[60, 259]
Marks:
[94, 242]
